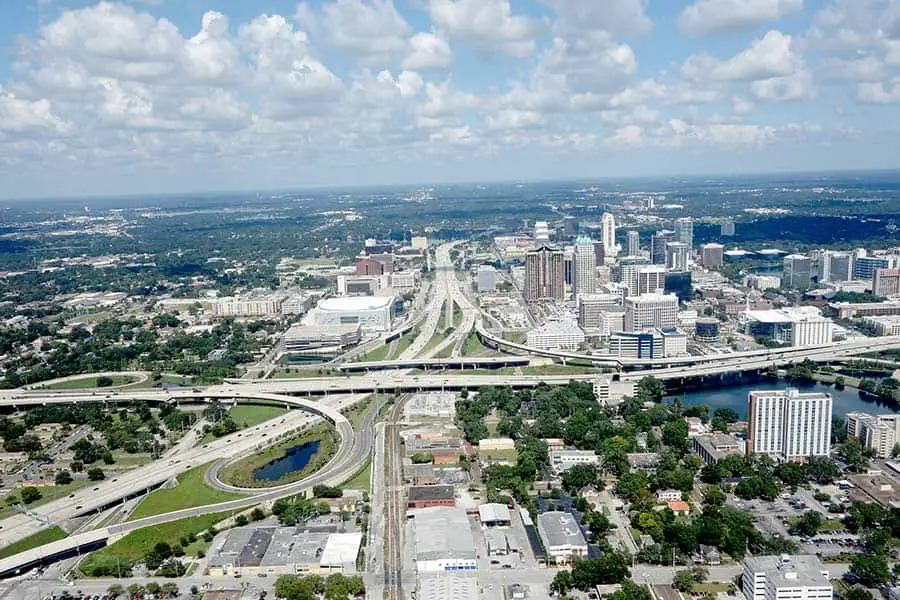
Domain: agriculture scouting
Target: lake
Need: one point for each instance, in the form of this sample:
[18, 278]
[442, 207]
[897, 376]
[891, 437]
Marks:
[735, 397]
[295, 459]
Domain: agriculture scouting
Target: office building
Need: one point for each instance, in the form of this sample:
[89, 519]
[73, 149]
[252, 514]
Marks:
[798, 326]
[712, 256]
[763, 282]
[864, 266]
[684, 231]
[608, 230]
[372, 266]
[658, 245]
[727, 229]
[541, 232]
[633, 243]
[650, 310]
[562, 537]
[599, 252]
[428, 496]
[680, 284]
[678, 256]
[611, 321]
[569, 265]
[419, 242]
[797, 274]
[486, 278]
[585, 267]
[610, 391]
[835, 267]
[443, 540]
[591, 306]
[403, 281]
[649, 279]
[652, 343]
[886, 282]
[369, 312]
[544, 275]
[706, 330]
[788, 424]
[878, 433]
[887, 325]
[556, 335]
[563, 460]
[570, 225]
[849, 310]
[361, 285]
[785, 578]
[713, 447]
[811, 330]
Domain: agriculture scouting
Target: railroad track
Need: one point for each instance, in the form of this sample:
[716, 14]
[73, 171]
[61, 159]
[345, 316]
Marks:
[395, 506]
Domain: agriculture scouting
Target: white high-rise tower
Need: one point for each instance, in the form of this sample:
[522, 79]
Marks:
[608, 226]
[585, 279]
[634, 243]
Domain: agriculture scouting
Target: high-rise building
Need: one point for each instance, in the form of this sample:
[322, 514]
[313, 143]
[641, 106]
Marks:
[608, 227]
[788, 424]
[599, 252]
[569, 265]
[590, 307]
[864, 266]
[633, 243]
[684, 231]
[486, 278]
[796, 272]
[879, 433]
[678, 255]
[544, 277]
[658, 245]
[680, 283]
[649, 279]
[785, 577]
[541, 232]
[727, 229]
[886, 282]
[570, 225]
[836, 266]
[585, 267]
[650, 310]
[712, 256]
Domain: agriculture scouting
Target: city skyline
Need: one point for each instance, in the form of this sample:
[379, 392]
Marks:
[188, 97]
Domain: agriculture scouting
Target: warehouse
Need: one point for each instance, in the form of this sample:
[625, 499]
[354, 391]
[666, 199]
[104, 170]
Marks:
[447, 587]
[562, 537]
[494, 515]
[425, 496]
[443, 540]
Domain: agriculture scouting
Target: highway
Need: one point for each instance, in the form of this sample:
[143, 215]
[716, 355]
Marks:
[443, 271]
[354, 449]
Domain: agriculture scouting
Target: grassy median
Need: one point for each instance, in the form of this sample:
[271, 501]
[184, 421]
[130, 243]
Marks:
[40, 538]
[191, 491]
[240, 473]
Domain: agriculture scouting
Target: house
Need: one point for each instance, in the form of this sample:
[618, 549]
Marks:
[667, 495]
[679, 507]
[709, 555]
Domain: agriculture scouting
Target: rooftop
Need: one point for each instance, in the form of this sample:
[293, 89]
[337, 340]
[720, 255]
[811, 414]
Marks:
[790, 571]
[442, 532]
[341, 549]
[447, 587]
[431, 492]
[678, 506]
[560, 529]
[355, 303]
[489, 513]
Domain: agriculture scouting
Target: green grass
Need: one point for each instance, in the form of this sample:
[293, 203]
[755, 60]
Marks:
[240, 473]
[170, 379]
[472, 345]
[711, 588]
[405, 342]
[191, 491]
[355, 413]
[40, 538]
[377, 354]
[557, 370]
[511, 455]
[87, 383]
[133, 547]
[832, 525]
[48, 494]
[362, 480]
[248, 415]
[436, 339]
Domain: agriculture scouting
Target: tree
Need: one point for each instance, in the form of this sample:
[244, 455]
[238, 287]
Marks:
[115, 590]
[683, 581]
[650, 389]
[104, 381]
[675, 435]
[631, 591]
[324, 491]
[562, 582]
[96, 474]
[578, 477]
[30, 494]
[790, 473]
[822, 469]
[857, 593]
[77, 466]
[851, 452]
[714, 496]
[808, 524]
[610, 568]
[257, 514]
[241, 521]
[870, 569]
[63, 478]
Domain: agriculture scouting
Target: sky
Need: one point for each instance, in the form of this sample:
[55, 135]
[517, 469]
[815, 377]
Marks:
[157, 96]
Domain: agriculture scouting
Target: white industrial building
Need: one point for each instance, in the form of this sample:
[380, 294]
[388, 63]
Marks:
[450, 586]
[556, 335]
[788, 424]
[443, 540]
[878, 433]
[563, 539]
[763, 282]
[563, 460]
[785, 578]
[369, 312]
[650, 310]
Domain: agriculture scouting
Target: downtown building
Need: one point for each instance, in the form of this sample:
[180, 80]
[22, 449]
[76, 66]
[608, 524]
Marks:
[864, 266]
[545, 274]
[658, 245]
[678, 256]
[878, 433]
[592, 306]
[886, 282]
[633, 243]
[712, 256]
[785, 578]
[684, 231]
[797, 272]
[649, 311]
[789, 425]
[608, 230]
[585, 280]
[835, 267]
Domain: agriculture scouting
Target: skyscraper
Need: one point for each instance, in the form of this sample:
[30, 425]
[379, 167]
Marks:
[599, 252]
[789, 424]
[608, 226]
[864, 266]
[658, 245]
[684, 231]
[633, 243]
[796, 272]
[544, 277]
[712, 256]
[836, 266]
[727, 229]
[541, 232]
[886, 282]
[585, 267]
[678, 256]
[650, 310]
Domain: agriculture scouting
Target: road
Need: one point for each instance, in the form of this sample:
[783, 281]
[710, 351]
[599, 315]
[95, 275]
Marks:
[443, 271]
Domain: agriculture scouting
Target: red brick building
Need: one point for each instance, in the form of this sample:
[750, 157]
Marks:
[425, 496]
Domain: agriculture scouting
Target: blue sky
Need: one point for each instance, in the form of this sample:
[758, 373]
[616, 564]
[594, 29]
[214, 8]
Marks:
[185, 95]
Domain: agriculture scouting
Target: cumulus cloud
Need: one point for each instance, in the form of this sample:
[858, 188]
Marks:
[24, 117]
[768, 57]
[373, 30]
[490, 24]
[428, 51]
[710, 17]
[879, 93]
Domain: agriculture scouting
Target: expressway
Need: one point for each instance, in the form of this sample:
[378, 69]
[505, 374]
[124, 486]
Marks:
[353, 451]
[443, 271]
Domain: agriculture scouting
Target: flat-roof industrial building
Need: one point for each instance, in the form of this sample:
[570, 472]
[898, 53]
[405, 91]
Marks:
[562, 537]
[443, 540]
